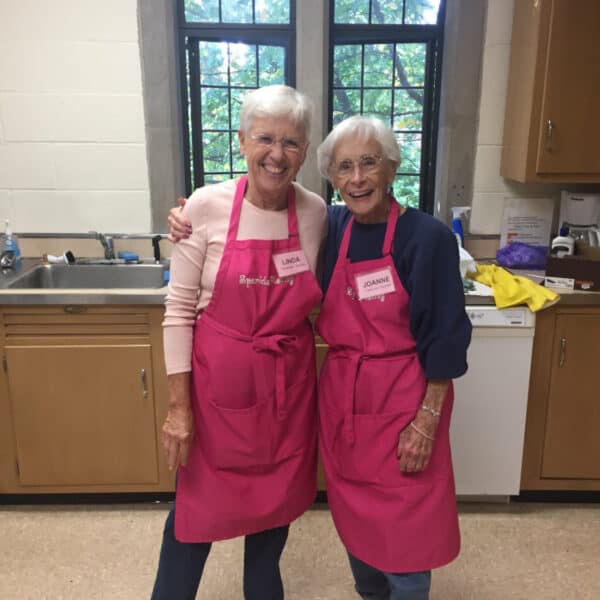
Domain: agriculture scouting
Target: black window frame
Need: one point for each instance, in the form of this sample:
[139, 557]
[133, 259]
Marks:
[433, 36]
[189, 35]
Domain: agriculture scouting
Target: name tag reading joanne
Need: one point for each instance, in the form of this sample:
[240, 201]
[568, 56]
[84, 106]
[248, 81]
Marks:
[290, 263]
[375, 283]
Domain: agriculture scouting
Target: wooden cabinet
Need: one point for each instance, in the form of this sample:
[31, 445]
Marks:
[562, 443]
[552, 122]
[82, 400]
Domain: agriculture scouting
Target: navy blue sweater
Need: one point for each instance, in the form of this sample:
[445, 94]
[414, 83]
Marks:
[425, 254]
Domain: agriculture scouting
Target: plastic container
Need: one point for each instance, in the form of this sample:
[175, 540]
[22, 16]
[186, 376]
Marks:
[562, 245]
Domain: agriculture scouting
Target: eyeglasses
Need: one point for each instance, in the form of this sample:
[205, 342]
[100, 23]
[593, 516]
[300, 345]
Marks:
[367, 163]
[287, 144]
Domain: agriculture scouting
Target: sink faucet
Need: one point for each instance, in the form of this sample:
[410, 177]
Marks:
[107, 243]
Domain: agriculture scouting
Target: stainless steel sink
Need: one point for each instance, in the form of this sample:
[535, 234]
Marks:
[91, 276]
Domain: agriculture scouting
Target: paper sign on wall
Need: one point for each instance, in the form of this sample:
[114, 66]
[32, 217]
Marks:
[527, 220]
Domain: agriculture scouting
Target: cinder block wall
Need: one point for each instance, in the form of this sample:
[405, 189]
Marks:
[72, 140]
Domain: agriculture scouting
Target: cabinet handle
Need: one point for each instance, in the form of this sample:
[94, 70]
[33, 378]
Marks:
[144, 388]
[75, 309]
[549, 130]
[563, 352]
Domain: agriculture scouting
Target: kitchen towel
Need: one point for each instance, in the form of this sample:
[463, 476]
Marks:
[512, 290]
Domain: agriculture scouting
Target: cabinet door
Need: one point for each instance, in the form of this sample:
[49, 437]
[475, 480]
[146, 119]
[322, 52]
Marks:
[572, 442]
[570, 128]
[83, 414]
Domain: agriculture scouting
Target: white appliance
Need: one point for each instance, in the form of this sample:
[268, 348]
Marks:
[488, 421]
[579, 209]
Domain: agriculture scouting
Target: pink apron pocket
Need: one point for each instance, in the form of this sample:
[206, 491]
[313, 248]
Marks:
[236, 439]
[372, 457]
[235, 376]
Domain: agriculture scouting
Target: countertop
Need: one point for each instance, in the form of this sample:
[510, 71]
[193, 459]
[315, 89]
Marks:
[567, 297]
[156, 296]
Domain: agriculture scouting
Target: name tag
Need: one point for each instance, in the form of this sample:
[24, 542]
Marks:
[290, 263]
[375, 283]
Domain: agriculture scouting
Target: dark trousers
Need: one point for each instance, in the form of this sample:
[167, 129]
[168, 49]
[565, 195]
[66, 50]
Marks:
[373, 584]
[181, 564]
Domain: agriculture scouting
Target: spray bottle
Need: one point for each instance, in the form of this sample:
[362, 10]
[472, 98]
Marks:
[457, 226]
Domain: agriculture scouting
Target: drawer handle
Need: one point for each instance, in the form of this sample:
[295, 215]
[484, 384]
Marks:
[563, 352]
[144, 388]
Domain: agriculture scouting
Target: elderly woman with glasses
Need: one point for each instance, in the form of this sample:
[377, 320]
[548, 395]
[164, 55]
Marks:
[394, 319]
[241, 425]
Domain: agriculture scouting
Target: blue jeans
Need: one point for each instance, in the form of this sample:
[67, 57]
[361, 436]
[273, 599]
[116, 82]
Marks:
[373, 584]
[181, 564]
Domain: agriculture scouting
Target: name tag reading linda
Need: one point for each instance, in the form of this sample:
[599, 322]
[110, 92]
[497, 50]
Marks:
[375, 283]
[290, 263]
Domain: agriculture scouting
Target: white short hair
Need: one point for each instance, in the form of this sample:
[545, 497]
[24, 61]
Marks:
[277, 101]
[363, 129]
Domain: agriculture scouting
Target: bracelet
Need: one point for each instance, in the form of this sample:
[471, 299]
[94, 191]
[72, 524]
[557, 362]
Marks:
[435, 413]
[419, 431]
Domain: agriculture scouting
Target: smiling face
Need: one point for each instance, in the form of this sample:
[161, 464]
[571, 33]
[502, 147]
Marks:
[272, 167]
[363, 178]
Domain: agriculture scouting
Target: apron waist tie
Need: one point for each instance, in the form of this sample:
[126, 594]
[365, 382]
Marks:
[274, 344]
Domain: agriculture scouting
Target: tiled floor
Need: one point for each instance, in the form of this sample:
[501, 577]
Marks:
[517, 551]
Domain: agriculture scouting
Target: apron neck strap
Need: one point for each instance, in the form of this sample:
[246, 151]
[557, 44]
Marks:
[236, 210]
[291, 207]
[390, 229]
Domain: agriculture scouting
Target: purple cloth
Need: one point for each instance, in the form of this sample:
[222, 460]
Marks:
[522, 256]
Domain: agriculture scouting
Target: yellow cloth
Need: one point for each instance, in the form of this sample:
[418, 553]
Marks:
[511, 290]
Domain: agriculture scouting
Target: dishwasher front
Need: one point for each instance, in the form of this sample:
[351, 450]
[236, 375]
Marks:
[488, 421]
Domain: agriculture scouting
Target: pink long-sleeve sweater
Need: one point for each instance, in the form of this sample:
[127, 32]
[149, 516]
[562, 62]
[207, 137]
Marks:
[195, 261]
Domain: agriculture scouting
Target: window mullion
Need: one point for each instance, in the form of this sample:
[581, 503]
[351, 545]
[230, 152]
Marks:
[362, 78]
[196, 110]
[393, 105]
[229, 111]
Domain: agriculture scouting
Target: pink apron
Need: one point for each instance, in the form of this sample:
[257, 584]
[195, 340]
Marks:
[370, 388]
[253, 462]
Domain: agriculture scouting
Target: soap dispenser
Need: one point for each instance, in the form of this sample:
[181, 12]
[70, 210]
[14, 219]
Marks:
[10, 244]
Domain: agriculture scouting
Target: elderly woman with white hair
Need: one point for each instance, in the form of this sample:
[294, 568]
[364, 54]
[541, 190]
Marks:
[394, 319]
[241, 426]
[393, 316]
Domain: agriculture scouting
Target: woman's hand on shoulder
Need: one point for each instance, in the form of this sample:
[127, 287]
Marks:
[180, 227]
